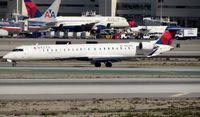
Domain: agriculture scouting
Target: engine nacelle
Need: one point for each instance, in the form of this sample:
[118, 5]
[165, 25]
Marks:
[99, 26]
[3, 33]
[146, 45]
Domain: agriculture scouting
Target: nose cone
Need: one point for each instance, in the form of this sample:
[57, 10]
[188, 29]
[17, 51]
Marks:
[7, 56]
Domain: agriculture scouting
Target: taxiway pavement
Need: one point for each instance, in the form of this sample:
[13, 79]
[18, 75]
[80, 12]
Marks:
[55, 89]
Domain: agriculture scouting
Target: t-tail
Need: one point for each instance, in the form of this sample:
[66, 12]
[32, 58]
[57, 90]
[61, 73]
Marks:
[168, 36]
[32, 10]
[161, 45]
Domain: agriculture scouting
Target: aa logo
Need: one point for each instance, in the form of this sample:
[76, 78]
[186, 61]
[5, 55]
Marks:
[50, 14]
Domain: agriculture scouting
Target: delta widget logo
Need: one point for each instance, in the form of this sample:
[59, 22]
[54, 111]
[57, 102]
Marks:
[50, 14]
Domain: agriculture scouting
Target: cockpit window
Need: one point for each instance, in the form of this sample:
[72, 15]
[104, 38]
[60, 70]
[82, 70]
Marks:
[17, 50]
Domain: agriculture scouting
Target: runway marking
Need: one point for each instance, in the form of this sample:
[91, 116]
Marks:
[179, 94]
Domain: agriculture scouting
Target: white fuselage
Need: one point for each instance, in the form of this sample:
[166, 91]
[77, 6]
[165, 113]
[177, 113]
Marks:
[89, 51]
[113, 21]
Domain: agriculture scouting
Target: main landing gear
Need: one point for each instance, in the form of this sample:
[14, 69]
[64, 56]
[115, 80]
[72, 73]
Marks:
[97, 64]
[107, 64]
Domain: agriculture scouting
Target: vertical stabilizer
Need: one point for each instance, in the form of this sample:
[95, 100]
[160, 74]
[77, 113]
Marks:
[168, 36]
[32, 10]
[52, 11]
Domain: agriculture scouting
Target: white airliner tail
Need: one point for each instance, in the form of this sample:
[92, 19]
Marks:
[51, 13]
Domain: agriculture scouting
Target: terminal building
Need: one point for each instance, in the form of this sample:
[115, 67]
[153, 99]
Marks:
[185, 12]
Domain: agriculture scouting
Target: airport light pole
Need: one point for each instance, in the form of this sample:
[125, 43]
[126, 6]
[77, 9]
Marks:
[105, 7]
[17, 11]
[161, 10]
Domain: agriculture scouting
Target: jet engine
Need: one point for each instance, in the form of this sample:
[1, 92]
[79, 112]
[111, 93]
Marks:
[146, 45]
[3, 33]
[100, 26]
[60, 28]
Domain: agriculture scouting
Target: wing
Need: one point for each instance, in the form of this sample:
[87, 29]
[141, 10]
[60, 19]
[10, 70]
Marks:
[104, 58]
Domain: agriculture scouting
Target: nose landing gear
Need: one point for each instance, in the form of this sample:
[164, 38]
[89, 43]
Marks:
[14, 63]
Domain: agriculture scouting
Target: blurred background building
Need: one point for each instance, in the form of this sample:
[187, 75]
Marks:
[185, 12]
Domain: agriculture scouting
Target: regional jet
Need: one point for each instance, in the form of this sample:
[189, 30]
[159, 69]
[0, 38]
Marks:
[96, 53]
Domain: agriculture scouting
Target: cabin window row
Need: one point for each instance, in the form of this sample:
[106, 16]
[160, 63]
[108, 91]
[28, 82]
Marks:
[88, 49]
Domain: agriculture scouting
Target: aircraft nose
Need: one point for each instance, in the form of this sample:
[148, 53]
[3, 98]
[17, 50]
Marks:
[7, 56]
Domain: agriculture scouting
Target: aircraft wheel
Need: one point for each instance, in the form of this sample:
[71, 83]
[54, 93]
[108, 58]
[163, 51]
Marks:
[97, 64]
[108, 64]
[14, 64]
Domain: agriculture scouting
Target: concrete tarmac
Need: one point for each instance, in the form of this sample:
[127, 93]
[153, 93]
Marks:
[58, 89]
[66, 72]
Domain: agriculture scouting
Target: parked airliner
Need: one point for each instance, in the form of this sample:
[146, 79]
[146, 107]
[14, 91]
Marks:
[9, 28]
[77, 23]
[86, 23]
[96, 53]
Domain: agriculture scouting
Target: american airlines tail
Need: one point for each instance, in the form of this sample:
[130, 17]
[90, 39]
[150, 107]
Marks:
[50, 14]
[32, 10]
[52, 11]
